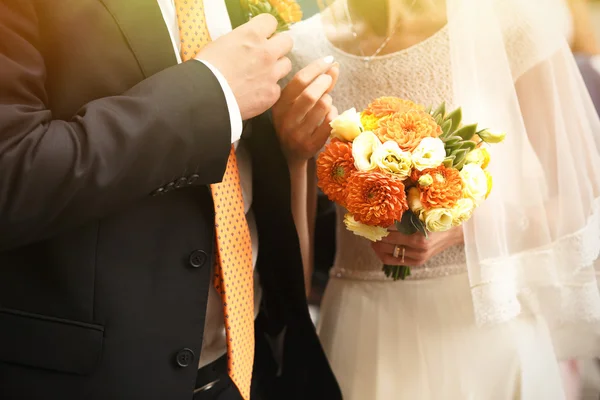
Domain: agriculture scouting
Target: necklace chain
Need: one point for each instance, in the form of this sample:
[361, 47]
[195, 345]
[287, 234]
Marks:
[383, 45]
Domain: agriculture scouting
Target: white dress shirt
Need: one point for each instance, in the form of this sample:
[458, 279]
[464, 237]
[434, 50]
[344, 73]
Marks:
[217, 18]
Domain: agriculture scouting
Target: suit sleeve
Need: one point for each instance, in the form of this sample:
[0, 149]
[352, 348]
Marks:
[56, 174]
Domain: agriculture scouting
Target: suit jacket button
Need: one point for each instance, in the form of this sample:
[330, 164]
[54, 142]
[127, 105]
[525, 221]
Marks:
[181, 182]
[184, 358]
[157, 192]
[198, 258]
[192, 179]
[169, 187]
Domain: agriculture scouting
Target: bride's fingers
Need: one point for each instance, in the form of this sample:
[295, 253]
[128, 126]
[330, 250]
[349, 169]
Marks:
[385, 249]
[315, 117]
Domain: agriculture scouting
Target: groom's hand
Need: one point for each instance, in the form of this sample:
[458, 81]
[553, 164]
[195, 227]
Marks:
[305, 109]
[252, 59]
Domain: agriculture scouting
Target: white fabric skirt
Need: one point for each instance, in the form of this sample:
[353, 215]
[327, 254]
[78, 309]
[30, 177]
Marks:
[417, 340]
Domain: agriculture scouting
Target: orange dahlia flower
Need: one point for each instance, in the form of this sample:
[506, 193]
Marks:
[385, 107]
[443, 190]
[376, 199]
[335, 165]
[407, 129]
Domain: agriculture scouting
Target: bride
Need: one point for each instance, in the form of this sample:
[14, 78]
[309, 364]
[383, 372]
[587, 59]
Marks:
[490, 307]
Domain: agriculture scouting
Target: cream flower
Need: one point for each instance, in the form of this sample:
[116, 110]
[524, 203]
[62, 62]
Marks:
[430, 153]
[425, 180]
[462, 211]
[414, 200]
[346, 126]
[479, 156]
[476, 182]
[489, 136]
[391, 159]
[373, 233]
[363, 148]
[437, 219]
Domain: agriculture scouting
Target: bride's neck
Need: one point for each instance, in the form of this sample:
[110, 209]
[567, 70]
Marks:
[384, 16]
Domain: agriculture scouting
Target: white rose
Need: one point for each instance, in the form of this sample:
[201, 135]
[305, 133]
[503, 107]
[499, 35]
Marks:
[392, 159]
[475, 181]
[479, 156]
[346, 126]
[363, 148]
[430, 153]
[373, 233]
[437, 219]
[414, 200]
[462, 211]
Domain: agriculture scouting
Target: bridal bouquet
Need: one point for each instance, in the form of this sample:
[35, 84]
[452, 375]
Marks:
[287, 12]
[399, 163]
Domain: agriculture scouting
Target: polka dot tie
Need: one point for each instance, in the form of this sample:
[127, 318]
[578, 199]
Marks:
[233, 277]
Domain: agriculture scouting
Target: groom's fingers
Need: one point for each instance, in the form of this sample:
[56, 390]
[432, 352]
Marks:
[305, 77]
[282, 67]
[280, 45]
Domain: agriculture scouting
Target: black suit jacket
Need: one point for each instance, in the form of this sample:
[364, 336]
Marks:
[107, 148]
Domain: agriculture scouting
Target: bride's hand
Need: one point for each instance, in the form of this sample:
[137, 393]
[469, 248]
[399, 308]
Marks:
[303, 112]
[417, 249]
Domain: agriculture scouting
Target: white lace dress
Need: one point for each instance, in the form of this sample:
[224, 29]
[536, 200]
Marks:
[415, 339]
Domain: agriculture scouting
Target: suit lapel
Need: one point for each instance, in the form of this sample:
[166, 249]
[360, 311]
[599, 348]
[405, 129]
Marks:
[143, 26]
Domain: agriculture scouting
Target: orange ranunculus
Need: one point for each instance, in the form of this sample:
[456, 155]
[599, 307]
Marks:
[335, 165]
[376, 199]
[407, 129]
[444, 188]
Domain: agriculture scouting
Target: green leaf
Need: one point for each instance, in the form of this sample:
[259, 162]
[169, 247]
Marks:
[460, 156]
[446, 128]
[468, 145]
[419, 225]
[405, 226]
[440, 111]
[428, 109]
[449, 161]
[452, 141]
[467, 131]
[455, 116]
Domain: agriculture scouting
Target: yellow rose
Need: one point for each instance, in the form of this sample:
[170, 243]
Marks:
[489, 136]
[390, 158]
[363, 148]
[437, 219]
[414, 200]
[425, 180]
[462, 211]
[490, 183]
[373, 233]
[346, 126]
[480, 156]
[430, 153]
[475, 180]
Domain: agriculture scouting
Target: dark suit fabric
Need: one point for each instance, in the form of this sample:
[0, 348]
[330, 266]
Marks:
[107, 150]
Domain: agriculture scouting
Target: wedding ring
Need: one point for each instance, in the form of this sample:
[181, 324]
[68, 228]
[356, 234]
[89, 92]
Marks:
[397, 250]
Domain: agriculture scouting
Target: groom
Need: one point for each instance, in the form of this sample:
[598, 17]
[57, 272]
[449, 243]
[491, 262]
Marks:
[121, 167]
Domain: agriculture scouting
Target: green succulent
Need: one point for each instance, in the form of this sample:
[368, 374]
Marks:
[456, 137]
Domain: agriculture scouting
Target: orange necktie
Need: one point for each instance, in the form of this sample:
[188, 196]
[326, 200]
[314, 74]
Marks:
[233, 268]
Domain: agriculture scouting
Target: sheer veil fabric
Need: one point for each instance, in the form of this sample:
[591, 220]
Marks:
[531, 246]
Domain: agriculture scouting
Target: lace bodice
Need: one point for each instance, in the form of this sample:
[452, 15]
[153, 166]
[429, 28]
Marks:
[420, 73]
